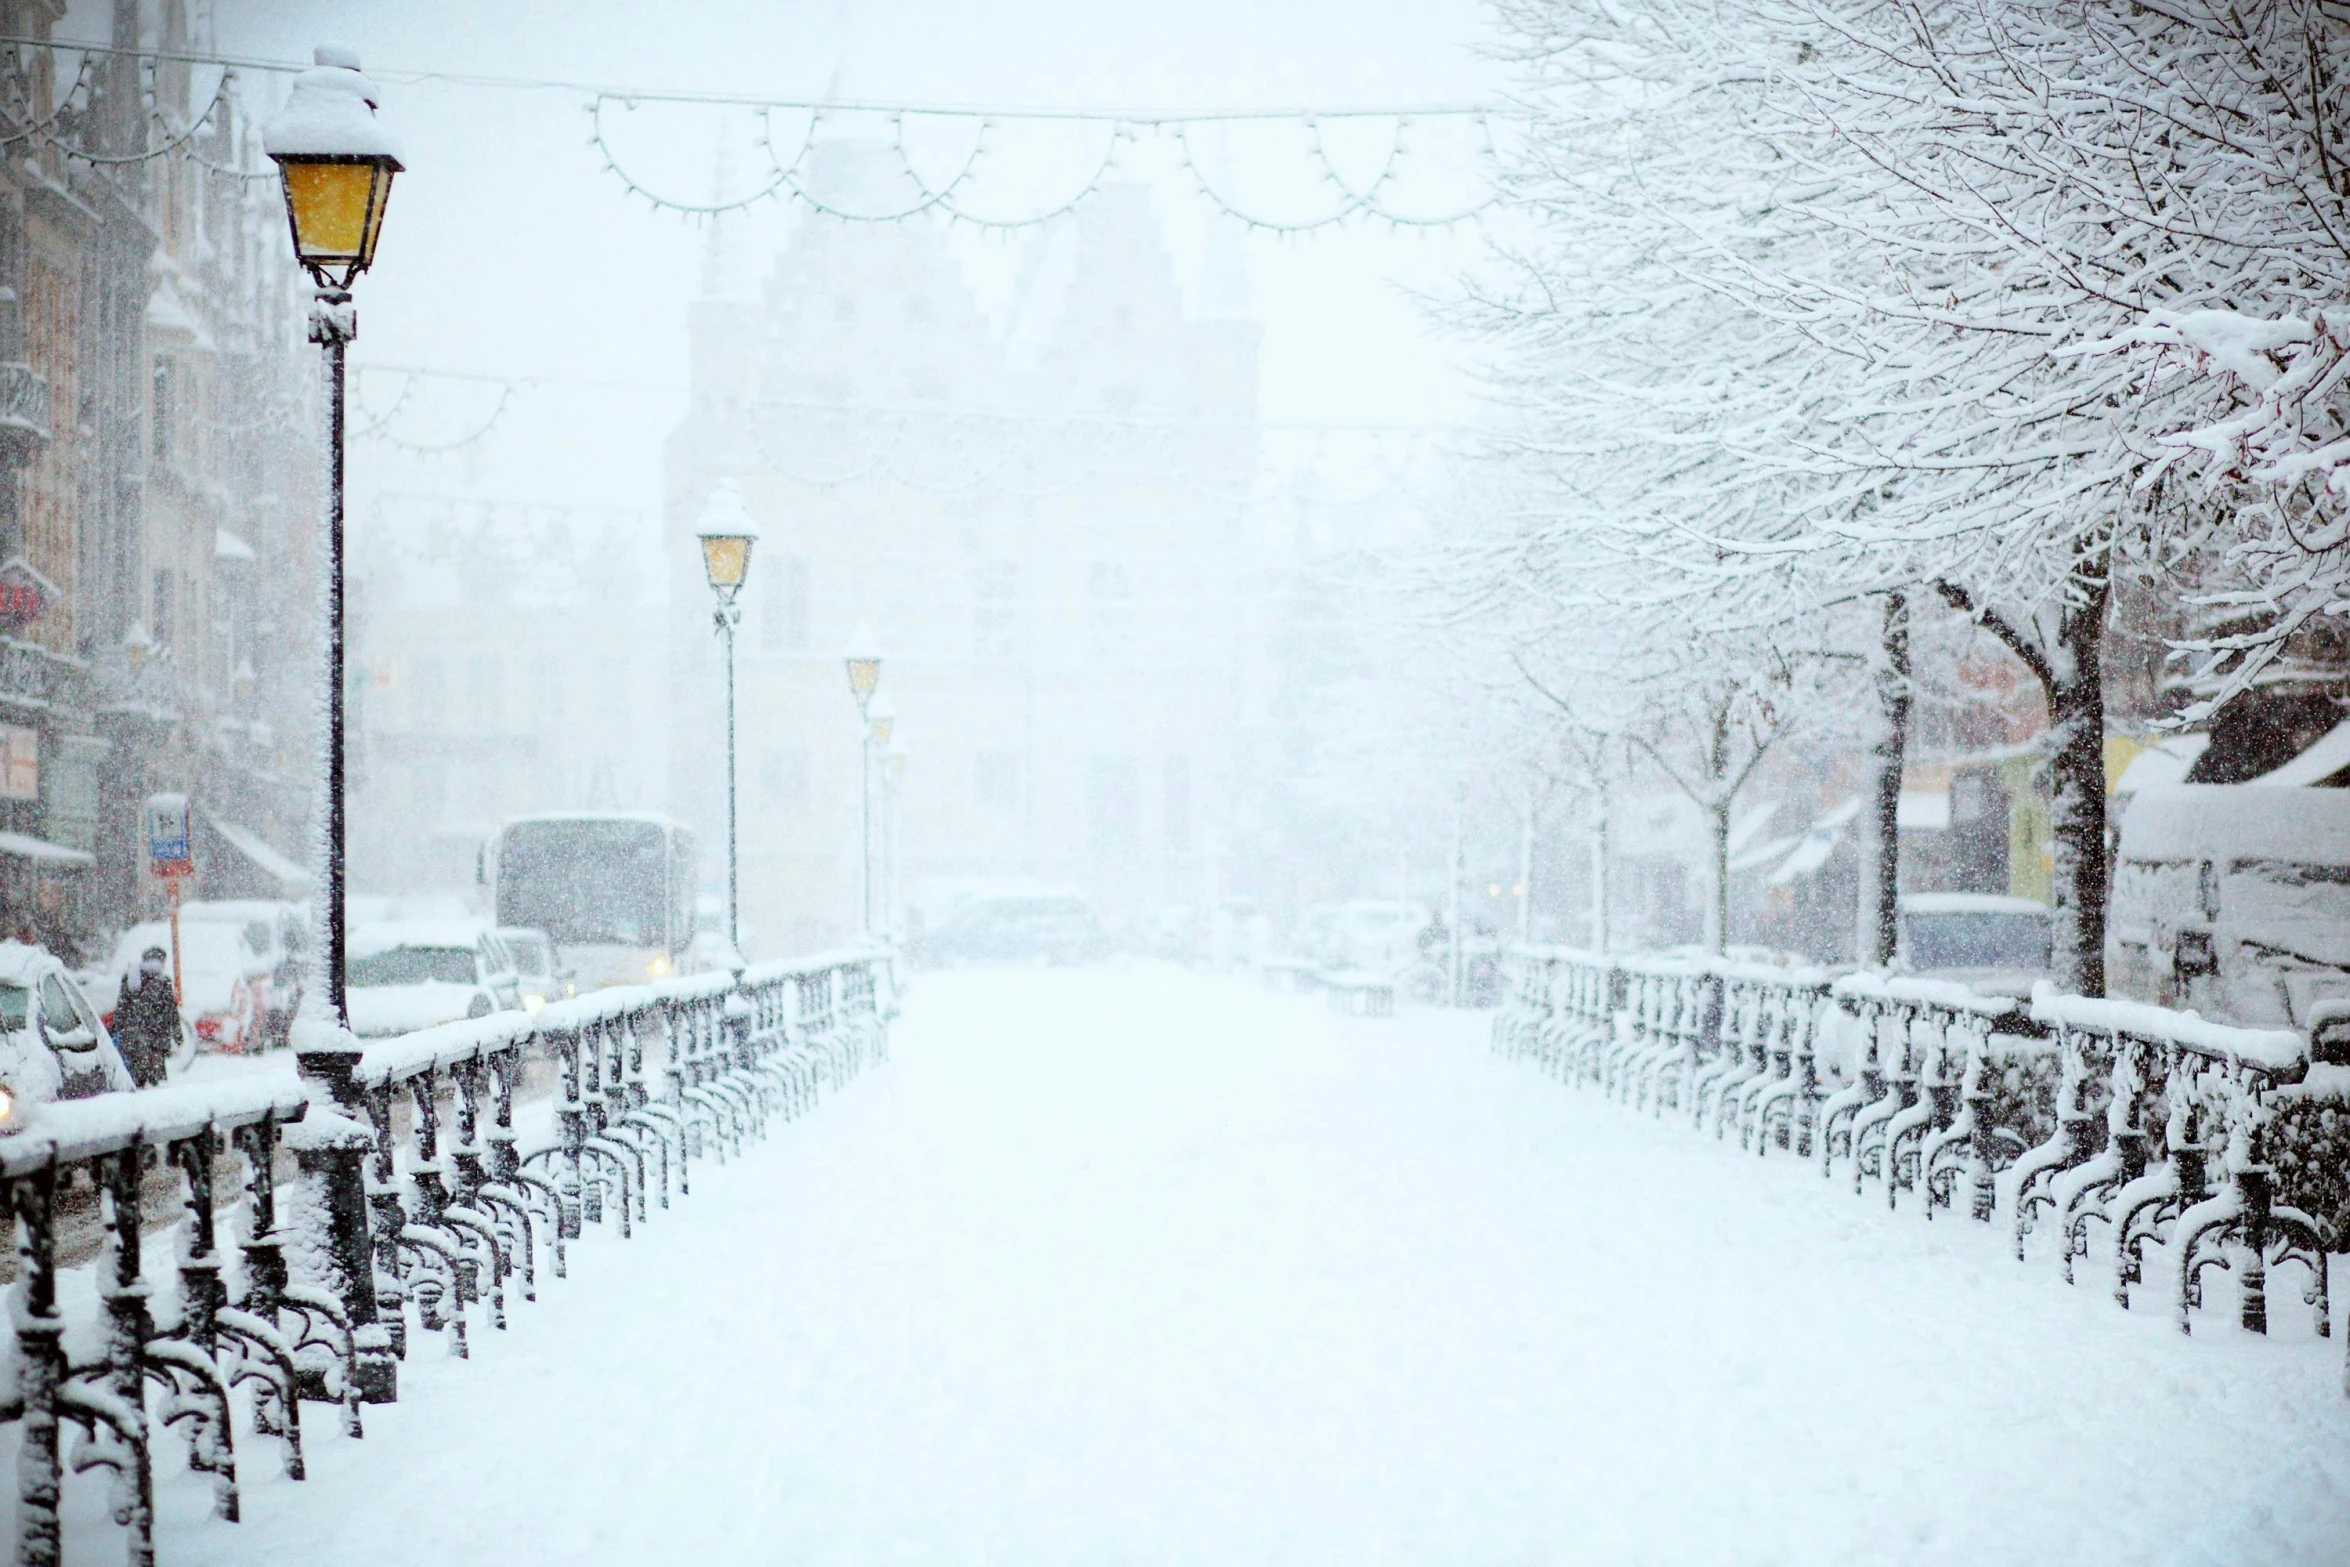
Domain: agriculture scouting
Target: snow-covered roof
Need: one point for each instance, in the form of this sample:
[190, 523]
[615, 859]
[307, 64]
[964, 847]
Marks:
[291, 878]
[2328, 755]
[1968, 903]
[24, 847]
[2163, 763]
[2238, 822]
[392, 934]
[23, 965]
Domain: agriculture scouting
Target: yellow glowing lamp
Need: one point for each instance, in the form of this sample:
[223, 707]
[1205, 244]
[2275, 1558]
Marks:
[882, 714]
[337, 165]
[864, 663]
[727, 534]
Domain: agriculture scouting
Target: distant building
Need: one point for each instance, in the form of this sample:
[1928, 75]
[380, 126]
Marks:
[160, 455]
[503, 657]
[1041, 519]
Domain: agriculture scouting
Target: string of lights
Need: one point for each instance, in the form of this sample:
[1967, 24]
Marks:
[1121, 129]
[374, 425]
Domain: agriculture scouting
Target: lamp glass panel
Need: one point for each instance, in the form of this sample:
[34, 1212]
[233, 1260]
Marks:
[375, 214]
[333, 206]
[864, 675]
[726, 559]
[881, 730]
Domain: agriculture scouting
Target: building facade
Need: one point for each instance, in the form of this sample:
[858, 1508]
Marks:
[1039, 515]
[160, 457]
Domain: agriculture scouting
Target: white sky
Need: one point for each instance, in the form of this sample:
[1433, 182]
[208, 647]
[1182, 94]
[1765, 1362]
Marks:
[509, 250]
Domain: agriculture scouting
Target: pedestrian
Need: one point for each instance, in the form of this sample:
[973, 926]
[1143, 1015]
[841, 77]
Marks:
[147, 1020]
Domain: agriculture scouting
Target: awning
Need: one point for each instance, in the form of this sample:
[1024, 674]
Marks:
[292, 880]
[56, 856]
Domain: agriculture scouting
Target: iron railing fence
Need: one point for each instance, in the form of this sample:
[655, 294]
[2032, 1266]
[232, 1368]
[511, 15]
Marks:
[2176, 1144]
[326, 1282]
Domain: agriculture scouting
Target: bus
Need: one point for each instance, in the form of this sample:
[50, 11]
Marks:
[615, 889]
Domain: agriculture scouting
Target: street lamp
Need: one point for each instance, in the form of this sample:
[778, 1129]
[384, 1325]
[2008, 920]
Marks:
[893, 781]
[863, 661]
[727, 534]
[881, 718]
[337, 164]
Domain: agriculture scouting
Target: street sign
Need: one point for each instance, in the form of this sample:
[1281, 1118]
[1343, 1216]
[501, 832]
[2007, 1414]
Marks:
[168, 850]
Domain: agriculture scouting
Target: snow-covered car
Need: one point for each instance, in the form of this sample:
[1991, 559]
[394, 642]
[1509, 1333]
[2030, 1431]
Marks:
[540, 974]
[224, 976]
[1044, 927]
[52, 1044]
[403, 975]
[280, 932]
[1998, 945]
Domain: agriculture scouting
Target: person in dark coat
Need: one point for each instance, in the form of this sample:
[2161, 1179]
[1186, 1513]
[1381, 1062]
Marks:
[147, 1020]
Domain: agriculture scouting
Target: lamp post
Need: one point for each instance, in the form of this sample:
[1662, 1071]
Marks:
[881, 717]
[863, 660]
[727, 534]
[893, 780]
[337, 165]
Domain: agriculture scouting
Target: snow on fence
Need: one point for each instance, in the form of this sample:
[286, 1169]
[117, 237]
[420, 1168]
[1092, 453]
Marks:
[2188, 1145]
[391, 1221]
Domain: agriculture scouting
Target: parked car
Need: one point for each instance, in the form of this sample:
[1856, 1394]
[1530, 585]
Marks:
[1996, 944]
[403, 975]
[1380, 936]
[2233, 900]
[280, 932]
[227, 974]
[1048, 927]
[52, 1043]
[540, 973]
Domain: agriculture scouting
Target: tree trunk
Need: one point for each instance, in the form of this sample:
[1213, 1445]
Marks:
[1599, 900]
[1880, 892]
[1717, 912]
[2076, 714]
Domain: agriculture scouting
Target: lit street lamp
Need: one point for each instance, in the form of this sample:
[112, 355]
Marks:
[727, 534]
[337, 164]
[863, 660]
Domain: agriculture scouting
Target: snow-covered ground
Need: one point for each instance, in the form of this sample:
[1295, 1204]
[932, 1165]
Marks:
[1140, 1267]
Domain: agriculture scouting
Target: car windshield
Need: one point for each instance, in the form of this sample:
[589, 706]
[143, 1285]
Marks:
[1978, 940]
[413, 966]
[530, 956]
[15, 1006]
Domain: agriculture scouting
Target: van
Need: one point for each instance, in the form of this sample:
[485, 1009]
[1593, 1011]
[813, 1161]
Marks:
[2232, 900]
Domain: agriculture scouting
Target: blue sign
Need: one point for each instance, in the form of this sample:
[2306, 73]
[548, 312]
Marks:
[168, 849]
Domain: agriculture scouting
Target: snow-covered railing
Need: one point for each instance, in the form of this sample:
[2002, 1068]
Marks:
[421, 1201]
[2212, 1145]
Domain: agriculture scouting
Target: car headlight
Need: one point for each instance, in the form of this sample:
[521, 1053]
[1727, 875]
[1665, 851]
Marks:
[659, 967]
[532, 1001]
[7, 1109]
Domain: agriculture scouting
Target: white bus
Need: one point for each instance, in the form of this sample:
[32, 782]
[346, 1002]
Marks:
[615, 889]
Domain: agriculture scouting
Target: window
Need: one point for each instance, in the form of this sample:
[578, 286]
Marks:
[1176, 805]
[786, 624]
[783, 776]
[996, 626]
[995, 784]
[160, 629]
[1112, 805]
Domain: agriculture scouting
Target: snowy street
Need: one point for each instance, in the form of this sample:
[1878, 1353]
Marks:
[1140, 1266]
